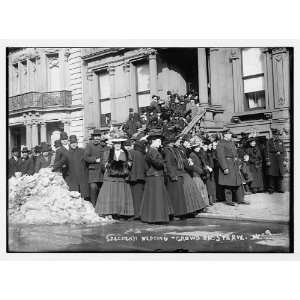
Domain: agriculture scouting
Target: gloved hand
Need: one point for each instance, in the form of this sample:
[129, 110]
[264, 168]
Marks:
[226, 171]
[268, 164]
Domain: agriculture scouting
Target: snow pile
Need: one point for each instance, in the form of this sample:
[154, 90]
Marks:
[44, 198]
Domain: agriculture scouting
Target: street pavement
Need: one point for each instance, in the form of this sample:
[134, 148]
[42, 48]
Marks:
[263, 207]
[192, 235]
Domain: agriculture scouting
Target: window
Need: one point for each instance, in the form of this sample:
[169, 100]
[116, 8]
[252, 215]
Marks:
[253, 78]
[53, 73]
[105, 98]
[143, 84]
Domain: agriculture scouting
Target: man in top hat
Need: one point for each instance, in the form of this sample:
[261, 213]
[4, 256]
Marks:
[77, 172]
[14, 162]
[132, 124]
[26, 163]
[276, 161]
[93, 156]
[229, 169]
[61, 155]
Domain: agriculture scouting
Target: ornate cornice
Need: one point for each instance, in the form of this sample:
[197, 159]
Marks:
[29, 53]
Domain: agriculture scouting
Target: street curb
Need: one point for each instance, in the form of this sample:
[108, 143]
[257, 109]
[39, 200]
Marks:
[232, 218]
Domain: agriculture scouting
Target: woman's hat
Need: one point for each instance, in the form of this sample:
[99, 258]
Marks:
[25, 150]
[45, 147]
[96, 132]
[155, 133]
[73, 139]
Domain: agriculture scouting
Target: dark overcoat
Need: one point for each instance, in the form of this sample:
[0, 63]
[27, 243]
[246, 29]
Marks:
[276, 155]
[138, 168]
[255, 166]
[27, 166]
[42, 162]
[60, 161]
[95, 170]
[228, 159]
[77, 172]
[13, 166]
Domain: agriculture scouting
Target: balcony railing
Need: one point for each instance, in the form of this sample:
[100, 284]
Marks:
[36, 100]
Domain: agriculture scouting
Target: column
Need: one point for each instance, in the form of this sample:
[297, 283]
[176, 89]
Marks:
[43, 132]
[34, 134]
[43, 73]
[28, 134]
[111, 71]
[9, 140]
[95, 104]
[133, 88]
[67, 126]
[153, 73]
[202, 76]
[61, 58]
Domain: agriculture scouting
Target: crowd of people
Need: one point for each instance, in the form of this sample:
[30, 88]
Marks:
[148, 170]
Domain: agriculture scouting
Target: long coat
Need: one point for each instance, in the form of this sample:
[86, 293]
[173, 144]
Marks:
[228, 159]
[77, 172]
[42, 162]
[13, 166]
[255, 166]
[27, 166]
[276, 155]
[96, 170]
[60, 161]
[138, 168]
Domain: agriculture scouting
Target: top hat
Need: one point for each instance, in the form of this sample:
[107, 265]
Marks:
[63, 135]
[73, 139]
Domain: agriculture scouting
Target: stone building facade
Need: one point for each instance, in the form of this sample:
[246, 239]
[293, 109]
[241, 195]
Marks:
[247, 89]
[44, 95]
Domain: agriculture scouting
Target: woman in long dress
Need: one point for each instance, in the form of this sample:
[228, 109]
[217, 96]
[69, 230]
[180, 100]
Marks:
[198, 170]
[194, 200]
[156, 206]
[115, 198]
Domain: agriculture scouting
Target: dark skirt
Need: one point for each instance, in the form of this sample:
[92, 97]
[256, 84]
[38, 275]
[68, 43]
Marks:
[257, 177]
[202, 188]
[194, 201]
[211, 187]
[156, 206]
[137, 190]
[176, 193]
[115, 198]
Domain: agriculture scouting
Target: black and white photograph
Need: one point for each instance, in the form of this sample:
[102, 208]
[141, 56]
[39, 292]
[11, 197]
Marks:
[150, 149]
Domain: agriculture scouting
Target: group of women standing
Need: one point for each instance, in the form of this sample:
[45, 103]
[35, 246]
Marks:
[155, 179]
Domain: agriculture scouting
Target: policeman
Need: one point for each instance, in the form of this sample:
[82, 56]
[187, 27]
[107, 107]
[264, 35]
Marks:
[93, 155]
[229, 170]
[276, 161]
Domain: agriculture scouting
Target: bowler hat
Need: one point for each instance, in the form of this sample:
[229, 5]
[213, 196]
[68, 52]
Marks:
[57, 143]
[63, 136]
[155, 133]
[96, 132]
[127, 143]
[73, 139]
[130, 109]
[37, 149]
[15, 149]
[226, 130]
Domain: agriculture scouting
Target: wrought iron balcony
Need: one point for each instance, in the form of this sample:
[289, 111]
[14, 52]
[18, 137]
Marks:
[36, 100]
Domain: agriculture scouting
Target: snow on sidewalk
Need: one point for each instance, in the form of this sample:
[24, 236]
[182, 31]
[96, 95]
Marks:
[263, 206]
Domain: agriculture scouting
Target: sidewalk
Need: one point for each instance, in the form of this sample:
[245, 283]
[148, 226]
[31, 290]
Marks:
[263, 207]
